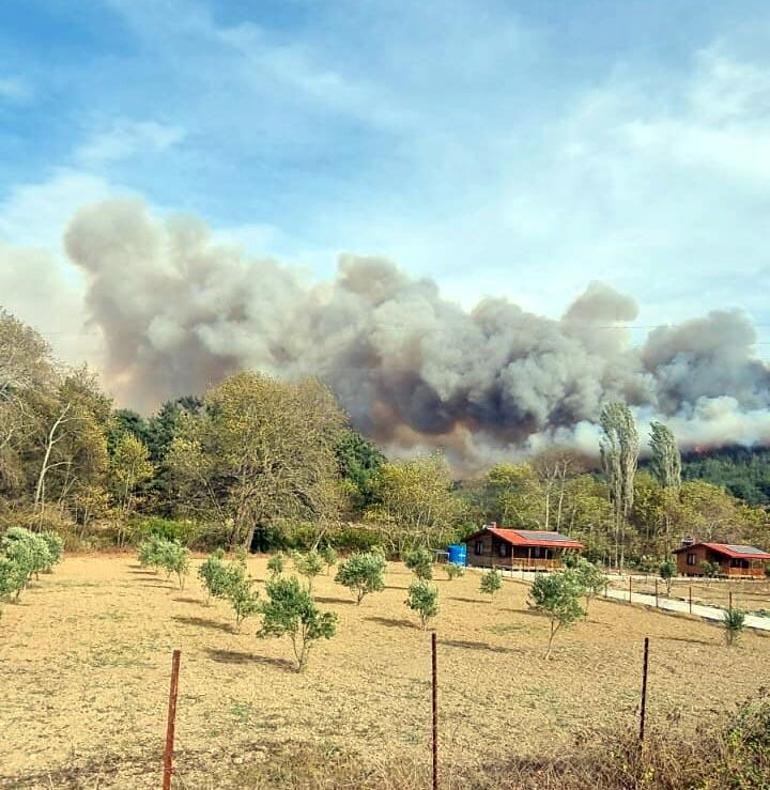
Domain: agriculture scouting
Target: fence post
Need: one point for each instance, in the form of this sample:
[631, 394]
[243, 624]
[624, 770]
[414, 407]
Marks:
[691, 599]
[435, 710]
[605, 588]
[730, 601]
[168, 757]
[643, 710]
[629, 589]
[656, 593]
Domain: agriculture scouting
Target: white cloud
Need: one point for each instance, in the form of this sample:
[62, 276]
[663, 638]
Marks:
[126, 138]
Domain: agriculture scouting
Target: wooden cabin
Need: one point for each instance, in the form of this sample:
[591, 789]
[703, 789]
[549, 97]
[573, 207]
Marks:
[519, 549]
[734, 559]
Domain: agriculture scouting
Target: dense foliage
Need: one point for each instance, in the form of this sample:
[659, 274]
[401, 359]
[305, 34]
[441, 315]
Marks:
[274, 465]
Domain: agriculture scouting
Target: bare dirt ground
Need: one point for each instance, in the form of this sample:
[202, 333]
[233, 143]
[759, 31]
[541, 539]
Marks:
[85, 660]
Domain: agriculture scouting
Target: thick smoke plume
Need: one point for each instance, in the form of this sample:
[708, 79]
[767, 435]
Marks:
[179, 311]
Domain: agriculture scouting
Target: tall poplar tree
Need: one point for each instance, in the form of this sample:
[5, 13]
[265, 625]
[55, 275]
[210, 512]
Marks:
[666, 466]
[619, 448]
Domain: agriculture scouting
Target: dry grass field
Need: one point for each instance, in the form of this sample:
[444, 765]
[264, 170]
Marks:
[85, 660]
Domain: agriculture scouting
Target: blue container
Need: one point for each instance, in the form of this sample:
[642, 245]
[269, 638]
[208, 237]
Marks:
[458, 554]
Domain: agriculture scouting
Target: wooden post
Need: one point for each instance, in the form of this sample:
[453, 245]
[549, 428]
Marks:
[691, 599]
[168, 757]
[605, 588]
[730, 601]
[629, 589]
[643, 710]
[656, 593]
[435, 710]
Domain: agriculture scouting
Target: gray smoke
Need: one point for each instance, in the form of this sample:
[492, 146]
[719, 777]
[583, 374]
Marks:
[179, 311]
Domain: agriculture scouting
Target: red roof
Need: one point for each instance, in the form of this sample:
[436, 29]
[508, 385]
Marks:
[532, 537]
[736, 551]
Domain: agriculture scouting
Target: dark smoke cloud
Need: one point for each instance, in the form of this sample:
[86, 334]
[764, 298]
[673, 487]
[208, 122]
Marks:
[179, 311]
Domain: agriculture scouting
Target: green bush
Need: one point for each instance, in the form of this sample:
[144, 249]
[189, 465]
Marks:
[55, 545]
[309, 564]
[491, 582]
[354, 539]
[454, 571]
[290, 611]
[734, 623]
[157, 552]
[213, 575]
[420, 562]
[182, 531]
[590, 578]
[275, 565]
[423, 599]
[362, 574]
[667, 571]
[329, 556]
[238, 590]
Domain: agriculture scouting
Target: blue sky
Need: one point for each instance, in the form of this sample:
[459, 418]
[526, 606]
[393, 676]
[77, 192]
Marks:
[507, 148]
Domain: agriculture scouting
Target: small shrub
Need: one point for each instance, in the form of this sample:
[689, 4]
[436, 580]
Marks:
[14, 575]
[55, 544]
[491, 582]
[213, 576]
[329, 556]
[590, 578]
[238, 589]
[290, 611]
[149, 552]
[734, 622]
[454, 571]
[420, 562]
[667, 571]
[27, 549]
[423, 599]
[362, 574]
[556, 595]
[309, 565]
[275, 565]
[175, 558]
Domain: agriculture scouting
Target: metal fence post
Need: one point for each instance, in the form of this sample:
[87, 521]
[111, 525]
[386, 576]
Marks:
[168, 757]
[629, 589]
[691, 599]
[643, 710]
[435, 710]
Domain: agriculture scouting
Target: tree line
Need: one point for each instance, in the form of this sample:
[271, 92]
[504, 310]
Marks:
[265, 463]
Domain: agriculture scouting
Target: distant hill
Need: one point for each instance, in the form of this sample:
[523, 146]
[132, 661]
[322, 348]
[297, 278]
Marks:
[743, 471]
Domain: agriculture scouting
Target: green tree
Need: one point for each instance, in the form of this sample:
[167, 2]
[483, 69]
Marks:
[416, 505]
[213, 575]
[420, 562]
[260, 450]
[556, 595]
[329, 556]
[667, 572]
[491, 582]
[240, 592]
[309, 564]
[619, 449]
[710, 569]
[423, 599]
[454, 571]
[290, 611]
[666, 465]
[362, 573]
[590, 579]
[129, 467]
[359, 461]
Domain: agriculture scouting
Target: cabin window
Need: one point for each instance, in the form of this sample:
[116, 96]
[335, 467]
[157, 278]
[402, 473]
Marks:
[691, 559]
[536, 551]
[504, 550]
[478, 548]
